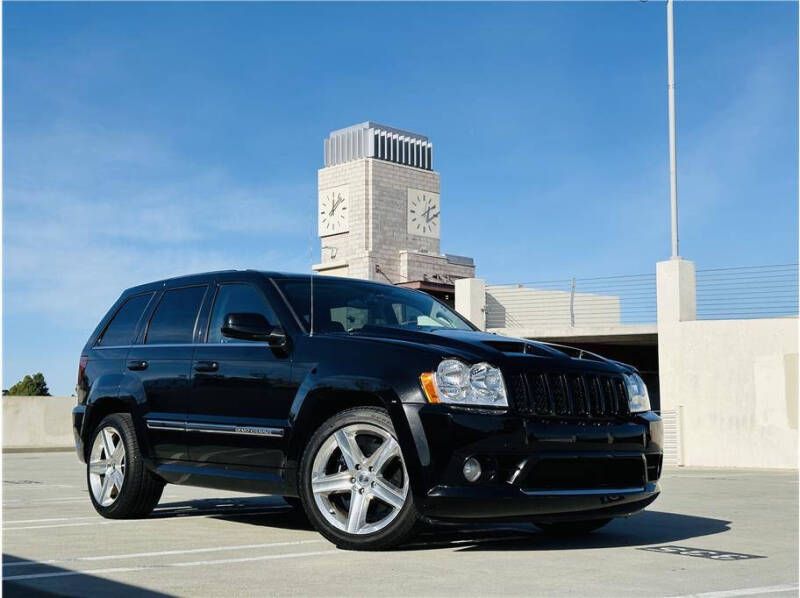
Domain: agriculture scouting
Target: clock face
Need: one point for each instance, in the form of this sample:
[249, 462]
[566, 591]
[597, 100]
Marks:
[333, 211]
[423, 213]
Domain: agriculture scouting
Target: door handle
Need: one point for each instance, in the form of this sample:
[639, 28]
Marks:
[206, 366]
[137, 365]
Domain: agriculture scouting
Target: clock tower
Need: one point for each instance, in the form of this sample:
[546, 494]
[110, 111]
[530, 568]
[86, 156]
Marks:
[379, 210]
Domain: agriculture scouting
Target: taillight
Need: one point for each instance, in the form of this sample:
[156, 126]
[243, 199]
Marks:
[82, 367]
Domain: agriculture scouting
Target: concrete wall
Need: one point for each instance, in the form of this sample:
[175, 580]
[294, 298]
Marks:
[471, 300]
[735, 380]
[737, 383]
[510, 306]
[37, 422]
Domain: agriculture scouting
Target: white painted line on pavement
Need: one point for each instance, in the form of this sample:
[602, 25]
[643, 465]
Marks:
[270, 557]
[759, 591]
[48, 520]
[26, 501]
[133, 555]
[179, 511]
[26, 527]
[177, 517]
[39, 486]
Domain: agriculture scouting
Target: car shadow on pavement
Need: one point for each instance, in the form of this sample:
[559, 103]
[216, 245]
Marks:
[267, 511]
[644, 529]
[47, 581]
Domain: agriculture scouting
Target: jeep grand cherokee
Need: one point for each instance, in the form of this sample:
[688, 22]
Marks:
[383, 409]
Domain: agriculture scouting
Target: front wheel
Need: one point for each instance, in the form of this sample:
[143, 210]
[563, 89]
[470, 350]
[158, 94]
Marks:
[572, 528]
[354, 484]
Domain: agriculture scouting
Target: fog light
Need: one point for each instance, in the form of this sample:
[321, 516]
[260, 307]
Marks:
[472, 469]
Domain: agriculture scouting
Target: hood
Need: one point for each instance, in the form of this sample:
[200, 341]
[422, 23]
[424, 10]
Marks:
[484, 346]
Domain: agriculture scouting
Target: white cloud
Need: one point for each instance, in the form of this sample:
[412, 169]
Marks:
[89, 213]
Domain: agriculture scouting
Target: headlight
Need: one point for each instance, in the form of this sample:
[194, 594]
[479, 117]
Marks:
[638, 399]
[456, 382]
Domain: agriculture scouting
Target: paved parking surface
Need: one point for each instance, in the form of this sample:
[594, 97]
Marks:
[211, 543]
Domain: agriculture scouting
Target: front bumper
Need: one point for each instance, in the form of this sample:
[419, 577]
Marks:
[533, 468]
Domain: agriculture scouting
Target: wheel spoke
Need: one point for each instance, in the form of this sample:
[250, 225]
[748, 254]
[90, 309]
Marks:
[336, 482]
[357, 517]
[108, 442]
[388, 493]
[117, 478]
[119, 453]
[383, 454]
[105, 491]
[350, 451]
[99, 467]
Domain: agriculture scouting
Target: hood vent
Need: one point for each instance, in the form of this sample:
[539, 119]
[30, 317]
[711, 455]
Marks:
[576, 353]
[520, 347]
[543, 350]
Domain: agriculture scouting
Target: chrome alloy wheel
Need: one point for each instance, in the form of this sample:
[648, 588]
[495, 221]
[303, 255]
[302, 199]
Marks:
[107, 466]
[359, 479]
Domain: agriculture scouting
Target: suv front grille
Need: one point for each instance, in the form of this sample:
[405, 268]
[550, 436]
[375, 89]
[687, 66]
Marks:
[586, 396]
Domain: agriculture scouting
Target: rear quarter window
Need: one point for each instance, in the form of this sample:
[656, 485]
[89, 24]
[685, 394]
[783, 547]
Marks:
[122, 327]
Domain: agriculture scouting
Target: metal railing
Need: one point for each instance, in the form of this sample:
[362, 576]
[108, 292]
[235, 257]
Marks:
[573, 302]
[747, 292]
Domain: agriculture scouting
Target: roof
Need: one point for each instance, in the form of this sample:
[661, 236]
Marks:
[200, 276]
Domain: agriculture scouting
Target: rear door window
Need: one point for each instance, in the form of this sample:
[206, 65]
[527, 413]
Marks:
[176, 315]
[122, 327]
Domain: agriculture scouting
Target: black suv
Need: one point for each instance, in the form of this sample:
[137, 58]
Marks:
[372, 407]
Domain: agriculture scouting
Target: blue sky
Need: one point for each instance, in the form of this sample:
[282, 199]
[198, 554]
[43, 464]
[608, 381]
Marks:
[148, 140]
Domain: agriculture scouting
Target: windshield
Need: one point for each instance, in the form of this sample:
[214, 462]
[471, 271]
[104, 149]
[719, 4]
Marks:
[342, 305]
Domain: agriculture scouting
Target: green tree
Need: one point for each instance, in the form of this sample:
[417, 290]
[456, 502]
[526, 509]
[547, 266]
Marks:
[29, 386]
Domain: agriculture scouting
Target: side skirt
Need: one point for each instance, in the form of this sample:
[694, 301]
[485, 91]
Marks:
[261, 480]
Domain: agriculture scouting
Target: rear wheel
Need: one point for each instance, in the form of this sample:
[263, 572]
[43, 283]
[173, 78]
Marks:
[572, 528]
[120, 485]
[354, 484]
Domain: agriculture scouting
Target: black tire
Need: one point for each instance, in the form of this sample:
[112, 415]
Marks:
[572, 528]
[141, 489]
[399, 530]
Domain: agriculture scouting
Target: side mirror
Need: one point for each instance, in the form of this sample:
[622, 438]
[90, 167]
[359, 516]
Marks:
[252, 327]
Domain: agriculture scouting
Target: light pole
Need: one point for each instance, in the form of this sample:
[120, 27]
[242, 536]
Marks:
[673, 158]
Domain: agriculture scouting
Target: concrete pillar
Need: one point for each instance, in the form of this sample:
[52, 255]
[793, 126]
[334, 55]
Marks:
[675, 291]
[676, 302]
[471, 300]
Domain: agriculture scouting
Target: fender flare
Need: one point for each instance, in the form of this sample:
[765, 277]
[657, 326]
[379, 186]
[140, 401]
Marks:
[327, 394]
[113, 394]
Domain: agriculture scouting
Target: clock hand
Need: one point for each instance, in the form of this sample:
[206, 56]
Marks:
[428, 217]
[335, 205]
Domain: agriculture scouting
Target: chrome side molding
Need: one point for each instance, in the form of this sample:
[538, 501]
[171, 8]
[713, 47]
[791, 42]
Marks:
[165, 424]
[160, 424]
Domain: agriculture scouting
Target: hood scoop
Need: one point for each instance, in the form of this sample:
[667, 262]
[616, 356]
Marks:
[520, 347]
[542, 350]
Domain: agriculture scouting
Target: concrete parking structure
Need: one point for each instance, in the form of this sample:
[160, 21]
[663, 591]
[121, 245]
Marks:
[712, 532]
